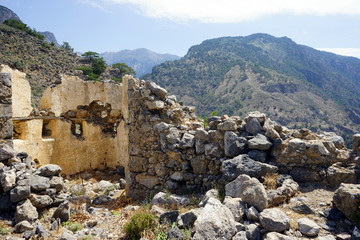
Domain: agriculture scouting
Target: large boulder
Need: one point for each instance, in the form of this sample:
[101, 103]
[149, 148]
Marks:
[187, 219]
[214, 222]
[157, 90]
[274, 220]
[19, 193]
[250, 190]
[253, 126]
[347, 200]
[241, 164]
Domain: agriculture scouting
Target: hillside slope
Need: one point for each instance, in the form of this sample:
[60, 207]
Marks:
[42, 62]
[294, 84]
[141, 60]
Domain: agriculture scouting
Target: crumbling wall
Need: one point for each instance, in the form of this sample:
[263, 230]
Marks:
[5, 105]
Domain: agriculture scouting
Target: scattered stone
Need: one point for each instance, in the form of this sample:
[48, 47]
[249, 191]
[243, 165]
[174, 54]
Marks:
[274, 220]
[155, 105]
[212, 193]
[252, 214]
[187, 219]
[355, 234]
[328, 237]
[257, 155]
[101, 199]
[23, 226]
[25, 211]
[277, 236]
[308, 227]
[253, 232]
[67, 235]
[176, 234]
[236, 206]
[62, 212]
[347, 199]
[201, 134]
[57, 183]
[169, 217]
[343, 236]
[251, 191]
[302, 209]
[241, 235]
[157, 90]
[214, 222]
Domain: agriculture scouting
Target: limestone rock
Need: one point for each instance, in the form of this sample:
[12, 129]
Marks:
[6, 152]
[251, 191]
[39, 183]
[259, 142]
[213, 149]
[199, 146]
[40, 201]
[277, 236]
[155, 105]
[274, 220]
[23, 226]
[253, 126]
[257, 155]
[241, 235]
[176, 234]
[49, 170]
[157, 90]
[212, 193]
[252, 214]
[187, 141]
[236, 206]
[19, 193]
[8, 179]
[57, 183]
[62, 212]
[233, 144]
[25, 211]
[308, 227]
[201, 134]
[253, 232]
[227, 125]
[241, 164]
[261, 117]
[214, 222]
[67, 235]
[347, 199]
[287, 190]
[187, 219]
[169, 217]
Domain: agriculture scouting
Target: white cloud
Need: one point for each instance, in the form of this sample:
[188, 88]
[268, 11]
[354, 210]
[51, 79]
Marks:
[351, 52]
[227, 11]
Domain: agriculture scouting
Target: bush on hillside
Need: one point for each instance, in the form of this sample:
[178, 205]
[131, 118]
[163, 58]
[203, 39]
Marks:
[23, 27]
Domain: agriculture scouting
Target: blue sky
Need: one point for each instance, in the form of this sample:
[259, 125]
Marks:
[173, 26]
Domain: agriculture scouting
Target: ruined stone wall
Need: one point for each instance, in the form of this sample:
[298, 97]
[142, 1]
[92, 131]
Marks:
[5, 105]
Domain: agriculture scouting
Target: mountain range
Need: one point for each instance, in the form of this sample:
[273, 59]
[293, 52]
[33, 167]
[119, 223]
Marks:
[141, 60]
[294, 84]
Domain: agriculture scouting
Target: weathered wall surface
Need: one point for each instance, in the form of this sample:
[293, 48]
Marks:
[5, 105]
[21, 93]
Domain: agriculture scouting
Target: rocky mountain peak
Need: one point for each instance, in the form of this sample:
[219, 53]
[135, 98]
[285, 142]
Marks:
[6, 13]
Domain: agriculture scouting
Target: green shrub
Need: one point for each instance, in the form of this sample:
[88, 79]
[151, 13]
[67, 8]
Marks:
[4, 231]
[73, 226]
[139, 222]
[23, 27]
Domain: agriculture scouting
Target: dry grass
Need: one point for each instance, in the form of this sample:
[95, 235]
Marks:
[270, 180]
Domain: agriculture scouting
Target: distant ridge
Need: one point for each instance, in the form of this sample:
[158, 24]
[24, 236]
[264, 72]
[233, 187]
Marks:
[141, 60]
[294, 84]
[6, 13]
